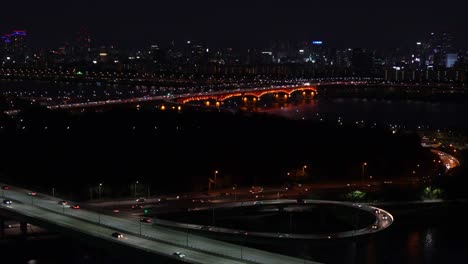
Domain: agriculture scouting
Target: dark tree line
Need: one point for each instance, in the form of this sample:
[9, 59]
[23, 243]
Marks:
[174, 151]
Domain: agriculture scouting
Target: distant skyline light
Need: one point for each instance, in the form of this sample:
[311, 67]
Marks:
[243, 23]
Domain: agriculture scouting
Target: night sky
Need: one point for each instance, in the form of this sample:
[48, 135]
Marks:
[135, 23]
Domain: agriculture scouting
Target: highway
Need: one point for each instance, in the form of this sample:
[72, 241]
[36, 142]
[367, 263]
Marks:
[448, 160]
[153, 238]
[383, 219]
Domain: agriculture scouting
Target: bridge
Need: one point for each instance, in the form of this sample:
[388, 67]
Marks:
[46, 211]
[255, 93]
[217, 96]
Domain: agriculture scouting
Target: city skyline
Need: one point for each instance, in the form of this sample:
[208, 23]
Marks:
[358, 24]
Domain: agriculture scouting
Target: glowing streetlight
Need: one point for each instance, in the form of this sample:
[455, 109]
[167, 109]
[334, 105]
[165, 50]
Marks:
[364, 165]
[212, 181]
[100, 190]
[215, 178]
[135, 188]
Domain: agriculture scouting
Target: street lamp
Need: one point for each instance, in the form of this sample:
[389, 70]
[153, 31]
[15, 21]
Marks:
[235, 193]
[212, 181]
[100, 190]
[135, 188]
[215, 178]
[364, 165]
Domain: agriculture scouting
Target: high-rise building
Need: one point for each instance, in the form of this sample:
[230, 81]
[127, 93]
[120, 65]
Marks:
[451, 59]
[343, 58]
[362, 61]
[437, 48]
[14, 46]
[83, 47]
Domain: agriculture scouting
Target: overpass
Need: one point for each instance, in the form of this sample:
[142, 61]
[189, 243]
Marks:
[43, 210]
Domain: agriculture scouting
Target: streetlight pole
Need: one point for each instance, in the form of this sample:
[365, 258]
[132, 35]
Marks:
[215, 178]
[363, 170]
[135, 188]
[100, 189]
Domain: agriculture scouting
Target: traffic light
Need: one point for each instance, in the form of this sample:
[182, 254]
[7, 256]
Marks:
[146, 211]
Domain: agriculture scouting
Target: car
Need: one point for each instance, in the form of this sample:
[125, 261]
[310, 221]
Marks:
[6, 187]
[137, 206]
[32, 193]
[146, 220]
[384, 217]
[117, 235]
[255, 190]
[374, 227]
[178, 254]
[63, 203]
[116, 211]
[140, 200]
[8, 202]
[258, 202]
[75, 206]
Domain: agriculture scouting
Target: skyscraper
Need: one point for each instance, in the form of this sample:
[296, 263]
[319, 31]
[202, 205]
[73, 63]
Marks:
[83, 45]
[438, 47]
[13, 46]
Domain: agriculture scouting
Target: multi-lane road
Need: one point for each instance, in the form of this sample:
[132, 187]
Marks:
[151, 238]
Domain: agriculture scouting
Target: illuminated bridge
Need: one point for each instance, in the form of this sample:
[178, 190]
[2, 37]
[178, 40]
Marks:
[255, 93]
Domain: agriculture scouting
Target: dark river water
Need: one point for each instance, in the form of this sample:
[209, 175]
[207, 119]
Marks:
[409, 113]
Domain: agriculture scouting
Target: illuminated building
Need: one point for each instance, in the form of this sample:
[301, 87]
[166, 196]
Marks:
[14, 46]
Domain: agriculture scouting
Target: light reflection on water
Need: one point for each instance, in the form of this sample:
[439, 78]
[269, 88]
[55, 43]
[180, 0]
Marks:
[411, 113]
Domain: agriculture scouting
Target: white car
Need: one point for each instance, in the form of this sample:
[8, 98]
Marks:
[178, 254]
